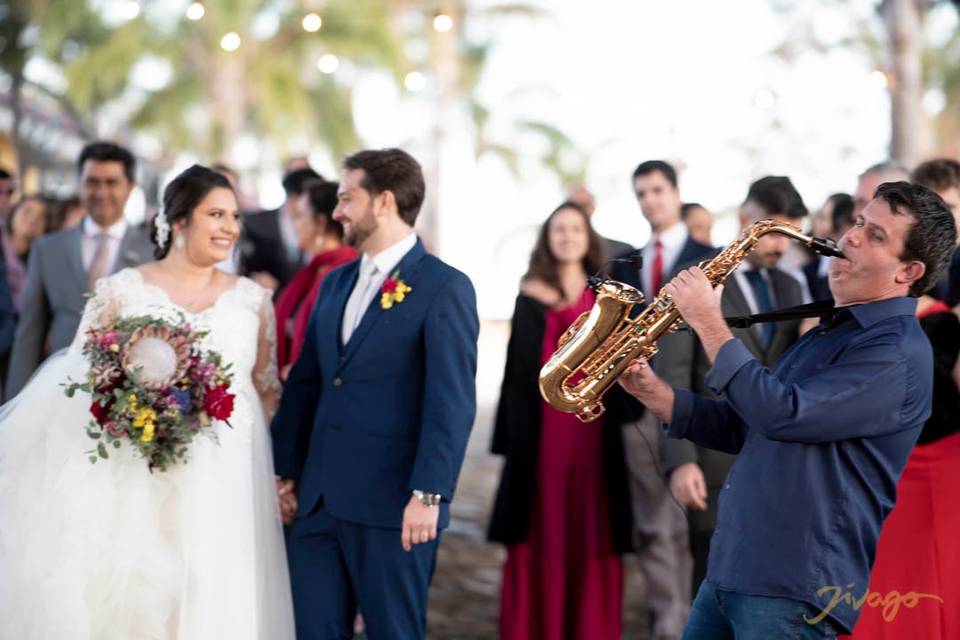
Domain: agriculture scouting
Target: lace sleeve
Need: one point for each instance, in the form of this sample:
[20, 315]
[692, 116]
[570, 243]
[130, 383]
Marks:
[100, 311]
[265, 376]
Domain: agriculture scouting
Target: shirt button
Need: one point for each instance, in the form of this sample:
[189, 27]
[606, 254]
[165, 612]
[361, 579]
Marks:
[727, 486]
[337, 382]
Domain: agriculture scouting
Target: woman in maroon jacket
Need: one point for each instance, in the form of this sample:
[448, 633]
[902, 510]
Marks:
[322, 236]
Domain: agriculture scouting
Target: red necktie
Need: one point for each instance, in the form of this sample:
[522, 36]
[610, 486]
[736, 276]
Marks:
[656, 275]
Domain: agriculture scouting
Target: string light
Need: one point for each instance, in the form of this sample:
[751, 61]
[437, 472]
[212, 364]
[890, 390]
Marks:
[415, 81]
[195, 11]
[442, 22]
[328, 63]
[131, 9]
[230, 41]
[879, 79]
[312, 22]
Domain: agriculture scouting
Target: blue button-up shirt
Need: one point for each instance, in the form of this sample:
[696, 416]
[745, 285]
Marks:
[822, 440]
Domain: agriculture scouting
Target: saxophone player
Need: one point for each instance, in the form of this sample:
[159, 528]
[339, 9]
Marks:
[822, 437]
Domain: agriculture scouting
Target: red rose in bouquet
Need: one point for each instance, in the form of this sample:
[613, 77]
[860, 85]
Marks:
[218, 403]
[101, 413]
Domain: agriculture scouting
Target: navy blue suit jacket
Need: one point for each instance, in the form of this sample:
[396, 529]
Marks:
[361, 425]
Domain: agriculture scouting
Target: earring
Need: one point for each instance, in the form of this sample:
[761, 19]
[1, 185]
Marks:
[178, 242]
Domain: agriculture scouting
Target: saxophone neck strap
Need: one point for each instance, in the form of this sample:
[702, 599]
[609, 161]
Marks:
[814, 309]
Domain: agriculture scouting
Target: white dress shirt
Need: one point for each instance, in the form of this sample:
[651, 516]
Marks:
[373, 272]
[91, 230]
[672, 240]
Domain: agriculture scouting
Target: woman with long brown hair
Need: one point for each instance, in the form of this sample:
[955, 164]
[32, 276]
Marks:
[562, 507]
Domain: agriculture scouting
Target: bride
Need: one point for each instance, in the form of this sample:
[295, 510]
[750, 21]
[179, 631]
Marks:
[110, 550]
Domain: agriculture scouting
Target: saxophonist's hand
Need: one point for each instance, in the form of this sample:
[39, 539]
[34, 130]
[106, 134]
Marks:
[642, 383]
[699, 304]
[695, 298]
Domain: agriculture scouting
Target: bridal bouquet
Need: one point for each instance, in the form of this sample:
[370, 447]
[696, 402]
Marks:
[152, 386]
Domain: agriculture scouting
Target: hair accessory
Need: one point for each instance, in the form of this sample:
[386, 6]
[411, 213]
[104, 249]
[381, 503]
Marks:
[162, 226]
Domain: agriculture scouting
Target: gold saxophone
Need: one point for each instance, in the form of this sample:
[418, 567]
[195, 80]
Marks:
[597, 348]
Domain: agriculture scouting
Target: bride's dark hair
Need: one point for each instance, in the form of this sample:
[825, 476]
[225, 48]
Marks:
[181, 197]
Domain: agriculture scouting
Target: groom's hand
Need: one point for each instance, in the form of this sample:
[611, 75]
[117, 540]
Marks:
[419, 524]
[287, 497]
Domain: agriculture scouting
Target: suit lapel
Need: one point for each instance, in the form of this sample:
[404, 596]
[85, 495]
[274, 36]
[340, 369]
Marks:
[740, 307]
[74, 243]
[128, 254]
[781, 291]
[688, 253]
[407, 268]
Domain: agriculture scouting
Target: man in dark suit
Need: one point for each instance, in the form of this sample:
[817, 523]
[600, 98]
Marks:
[757, 286]
[661, 528]
[65, 266]
[268, 250]
[374, 420]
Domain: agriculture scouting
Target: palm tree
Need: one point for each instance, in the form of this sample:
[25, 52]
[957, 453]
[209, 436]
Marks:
[270, 88]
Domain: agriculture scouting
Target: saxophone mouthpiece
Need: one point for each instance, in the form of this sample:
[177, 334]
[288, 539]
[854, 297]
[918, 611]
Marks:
[826, 247]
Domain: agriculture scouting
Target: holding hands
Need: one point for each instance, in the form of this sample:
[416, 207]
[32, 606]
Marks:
[287, 497]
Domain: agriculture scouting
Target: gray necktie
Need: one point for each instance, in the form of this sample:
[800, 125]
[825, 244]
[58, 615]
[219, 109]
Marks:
[100, 265]
[358, 304]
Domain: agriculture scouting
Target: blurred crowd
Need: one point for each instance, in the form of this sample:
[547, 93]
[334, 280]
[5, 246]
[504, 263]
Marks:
[570, 505]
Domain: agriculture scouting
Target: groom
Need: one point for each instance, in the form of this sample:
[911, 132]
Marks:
[374, 419]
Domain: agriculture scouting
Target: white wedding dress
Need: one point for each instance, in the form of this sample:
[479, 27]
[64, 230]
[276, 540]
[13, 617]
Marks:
[110, 551]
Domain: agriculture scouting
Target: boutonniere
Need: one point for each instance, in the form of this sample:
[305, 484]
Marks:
[393, 291]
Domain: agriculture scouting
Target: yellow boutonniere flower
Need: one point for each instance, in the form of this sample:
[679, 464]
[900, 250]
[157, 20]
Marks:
[393, 291]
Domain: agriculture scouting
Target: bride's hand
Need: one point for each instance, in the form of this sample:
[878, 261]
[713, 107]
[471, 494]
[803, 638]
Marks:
[287, 497]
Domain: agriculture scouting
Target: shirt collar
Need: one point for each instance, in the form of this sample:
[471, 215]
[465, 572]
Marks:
[745, 266]
[390, 257]
[115, 231]
[673, 237]
[871, 313]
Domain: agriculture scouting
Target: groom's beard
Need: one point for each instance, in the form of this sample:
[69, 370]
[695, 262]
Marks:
[362, 229]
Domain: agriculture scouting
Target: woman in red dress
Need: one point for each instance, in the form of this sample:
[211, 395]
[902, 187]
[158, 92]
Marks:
[320, 235]
[562, 507]
[916, 575]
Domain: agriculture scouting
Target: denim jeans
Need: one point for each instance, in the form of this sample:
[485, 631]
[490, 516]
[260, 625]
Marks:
[725, 615]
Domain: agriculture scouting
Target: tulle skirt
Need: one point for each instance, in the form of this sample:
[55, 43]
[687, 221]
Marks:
[110, 550]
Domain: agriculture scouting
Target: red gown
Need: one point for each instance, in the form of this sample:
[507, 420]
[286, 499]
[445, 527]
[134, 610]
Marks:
[918, 552]
[566, 580]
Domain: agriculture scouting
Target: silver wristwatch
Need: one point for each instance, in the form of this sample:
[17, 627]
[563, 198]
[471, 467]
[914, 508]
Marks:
[427, 499]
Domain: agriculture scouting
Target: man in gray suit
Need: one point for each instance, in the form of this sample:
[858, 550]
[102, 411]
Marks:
[757, 286]
[64, 266]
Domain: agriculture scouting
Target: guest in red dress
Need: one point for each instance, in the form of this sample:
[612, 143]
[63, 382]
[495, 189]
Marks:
[562, 507]
[320, 235]
[918, 552]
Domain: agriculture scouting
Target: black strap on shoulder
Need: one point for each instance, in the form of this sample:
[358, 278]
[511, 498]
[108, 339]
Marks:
[814, 309]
